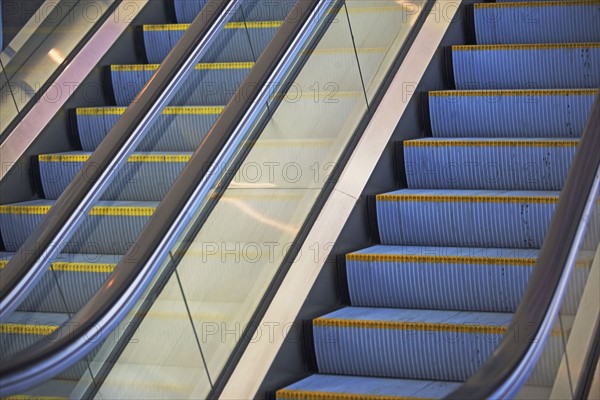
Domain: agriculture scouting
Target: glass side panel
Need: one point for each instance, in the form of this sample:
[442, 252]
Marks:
[562, 364]
[41, 46]
[227, 267]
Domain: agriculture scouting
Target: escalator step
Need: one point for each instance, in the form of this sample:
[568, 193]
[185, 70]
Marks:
[527, 66]
[465, 218]
[239, 41]
[339, 387]
[145, 176]
[449, 278]
[71, 281]
[537, 22]
[211, 84]
[510, 113]
[179, 129]
[110, 228]
[488, 164]
[427, 344]
[249, 10]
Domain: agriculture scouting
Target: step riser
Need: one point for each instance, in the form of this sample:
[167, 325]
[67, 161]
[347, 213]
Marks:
[477, 224]
[178, 133]
[538, 69]
[487, 167]
[136, 181]
[412, 354]
[464, 287]
[537, 24]
[249, 10]
[231, 45]
[96, 235]
[498, 116]
[203, 87]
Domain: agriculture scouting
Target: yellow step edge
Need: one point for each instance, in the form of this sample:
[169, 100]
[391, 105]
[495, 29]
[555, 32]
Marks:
[468, 199]
[32, 397]
[201, 66]
[76, 267]
[418, 326]
[292, 394]
[474, 260]
[410, 326]
[491, 143]
[229, 25]
[123, 211]
[184, 110]
[134, 158]
[27, 329]
[542, 46]
[514, 92]
[537, 4]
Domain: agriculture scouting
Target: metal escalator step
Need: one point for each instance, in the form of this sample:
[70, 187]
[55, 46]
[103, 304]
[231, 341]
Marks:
[239, 41]
[69, 283]
[178, 129]
[465, 218]
[449, 278]
[210, 84]
[510, 113]
[490, 164]
[340, 387]
[531, 66]
[145, 177]
[111, 227]
[537, 22]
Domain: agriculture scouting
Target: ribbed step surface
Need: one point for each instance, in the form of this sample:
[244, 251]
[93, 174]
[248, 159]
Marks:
[69, 283]
[537, 22]
[468, 218]
[510, 113]
[247, 10]
[455, 278]
[110, 227]
[490, 164]
[319, 387]
[239, 41]
[145, 176]
[179, 129]
[208, 84]
[527, 66]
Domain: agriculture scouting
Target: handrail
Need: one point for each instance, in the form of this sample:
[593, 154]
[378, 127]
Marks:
[508, 367]
[28, 265]
[135, 272]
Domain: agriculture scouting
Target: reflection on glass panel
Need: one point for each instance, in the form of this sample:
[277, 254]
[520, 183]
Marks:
[562, 362]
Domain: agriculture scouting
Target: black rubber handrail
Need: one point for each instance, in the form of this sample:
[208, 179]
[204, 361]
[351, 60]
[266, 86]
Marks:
[132, 275]
[503, 374]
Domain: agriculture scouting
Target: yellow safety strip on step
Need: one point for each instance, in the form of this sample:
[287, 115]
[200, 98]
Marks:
[491, 143]
[421, 258]
[229, 25]
[27, 329]
[468, 199]
[410, 326]
[538, 4]
[542, 46]
[31, 397]
[96, 211]
[201, 66]
[495, 93]
[76, 267]
[310, 395]
[147, 158]
[184, 110]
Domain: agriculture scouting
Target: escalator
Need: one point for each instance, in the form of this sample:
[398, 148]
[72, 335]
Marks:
[92, 254]
[431, 302]
[185, 279]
